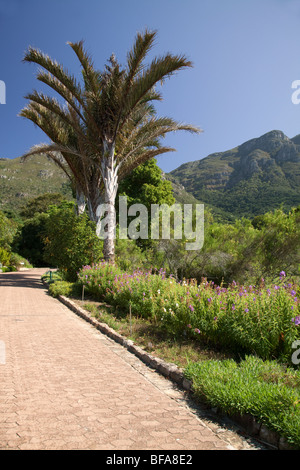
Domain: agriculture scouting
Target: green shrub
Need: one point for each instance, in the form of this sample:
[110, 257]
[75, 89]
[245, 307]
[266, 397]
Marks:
[8, 230]
[266, 390]
[65, 288]
[70, 241]
[4, 257]
[18, 261]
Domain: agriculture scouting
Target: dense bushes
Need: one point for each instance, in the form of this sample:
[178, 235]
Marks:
[8, 230]
[244, 250]
[246, 320]
[70, 240]
[9, 260]
[29, 241]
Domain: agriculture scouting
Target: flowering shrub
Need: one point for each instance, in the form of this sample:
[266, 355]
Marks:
[262, 320]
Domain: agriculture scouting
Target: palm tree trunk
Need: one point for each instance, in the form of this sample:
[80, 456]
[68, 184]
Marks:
[80, 200]
[110, 177]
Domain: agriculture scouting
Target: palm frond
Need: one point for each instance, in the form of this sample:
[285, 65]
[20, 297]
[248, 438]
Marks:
[90, 75]
[139, 158]
[158, 71]
[56, 69]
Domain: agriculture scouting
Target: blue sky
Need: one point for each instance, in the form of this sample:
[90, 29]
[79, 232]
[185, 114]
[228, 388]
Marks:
[246, 55]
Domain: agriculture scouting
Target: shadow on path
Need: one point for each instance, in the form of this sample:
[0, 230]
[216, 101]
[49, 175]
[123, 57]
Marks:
[22, 279]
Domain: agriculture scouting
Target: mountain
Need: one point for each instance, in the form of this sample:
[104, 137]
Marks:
[258, 176]
[21, 181]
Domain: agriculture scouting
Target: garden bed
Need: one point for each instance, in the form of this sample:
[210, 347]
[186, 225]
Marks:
[265, 404]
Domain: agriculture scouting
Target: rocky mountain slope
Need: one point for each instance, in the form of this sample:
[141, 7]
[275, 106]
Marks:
[255, 177]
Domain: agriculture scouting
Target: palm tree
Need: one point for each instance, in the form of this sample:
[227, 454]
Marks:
[112, 115]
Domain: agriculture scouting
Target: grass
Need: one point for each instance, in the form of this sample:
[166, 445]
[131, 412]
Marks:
[151, 337]
[265, 389]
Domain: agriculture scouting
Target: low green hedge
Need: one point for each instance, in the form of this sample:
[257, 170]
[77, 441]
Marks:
[265, 389]
[65, 288]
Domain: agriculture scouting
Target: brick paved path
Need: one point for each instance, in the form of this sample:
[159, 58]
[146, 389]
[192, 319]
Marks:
[64, 385]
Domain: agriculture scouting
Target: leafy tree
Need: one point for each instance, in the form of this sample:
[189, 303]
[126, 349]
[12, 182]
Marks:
[8, 229]
[145, 185]
[279, 242]
[4, 257]
[29, 242]
[40, 204]
[70, 240]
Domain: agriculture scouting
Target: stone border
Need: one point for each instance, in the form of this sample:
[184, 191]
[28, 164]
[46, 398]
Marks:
[172, 372]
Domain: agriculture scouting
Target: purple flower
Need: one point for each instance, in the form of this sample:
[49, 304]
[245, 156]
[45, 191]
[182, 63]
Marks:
[282, 274]
[233, 307]
[293, 293]
[276, 287]
[197, 331]
[296, 320]
[246, 310]
[191, 308]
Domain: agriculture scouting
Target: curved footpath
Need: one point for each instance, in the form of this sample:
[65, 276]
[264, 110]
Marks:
[65, 386]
